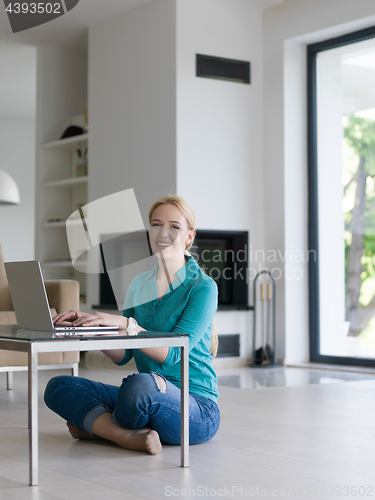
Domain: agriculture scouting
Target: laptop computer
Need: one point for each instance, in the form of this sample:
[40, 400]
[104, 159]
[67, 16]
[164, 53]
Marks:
[30, 301]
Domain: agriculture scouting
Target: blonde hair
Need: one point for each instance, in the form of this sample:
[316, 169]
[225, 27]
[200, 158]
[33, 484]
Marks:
[190, 217]
[214, 340]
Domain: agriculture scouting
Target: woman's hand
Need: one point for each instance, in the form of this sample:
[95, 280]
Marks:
[67, 316]
[78, 318]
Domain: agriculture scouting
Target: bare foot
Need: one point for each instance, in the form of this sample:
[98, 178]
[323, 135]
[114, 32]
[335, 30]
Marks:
[140, 440]
[78, 433]
[131, 439]
[153, 444]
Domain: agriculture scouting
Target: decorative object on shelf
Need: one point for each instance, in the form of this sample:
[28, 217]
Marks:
[265, 355]
[72, 131]
[9, 192]
[81, 166]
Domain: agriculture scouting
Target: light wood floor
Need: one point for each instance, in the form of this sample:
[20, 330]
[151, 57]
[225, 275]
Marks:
[283, 442]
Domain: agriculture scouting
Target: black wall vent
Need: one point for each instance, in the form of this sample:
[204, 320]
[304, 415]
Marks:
[229, 345]
[223, 69]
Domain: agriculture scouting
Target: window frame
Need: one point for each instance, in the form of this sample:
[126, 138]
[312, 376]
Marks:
[313, 220]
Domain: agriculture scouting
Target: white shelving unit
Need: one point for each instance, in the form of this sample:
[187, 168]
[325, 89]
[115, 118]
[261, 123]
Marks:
[61, 86]
[61, 192]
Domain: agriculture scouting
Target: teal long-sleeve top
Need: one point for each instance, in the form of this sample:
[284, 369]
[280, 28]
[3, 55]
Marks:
[188, 306]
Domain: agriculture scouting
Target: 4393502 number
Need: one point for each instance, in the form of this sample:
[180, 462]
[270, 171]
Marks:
[346, 491]
[34, 8]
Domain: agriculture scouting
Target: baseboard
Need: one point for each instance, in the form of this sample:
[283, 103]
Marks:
[231, 362]
[338, 368]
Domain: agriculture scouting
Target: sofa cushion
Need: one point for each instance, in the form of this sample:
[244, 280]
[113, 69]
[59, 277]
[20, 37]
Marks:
[5, 299]
[14, 358]
[9, 317]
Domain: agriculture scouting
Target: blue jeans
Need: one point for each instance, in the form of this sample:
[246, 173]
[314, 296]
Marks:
[139, 402]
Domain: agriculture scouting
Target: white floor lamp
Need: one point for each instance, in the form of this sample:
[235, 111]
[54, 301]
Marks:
[9, 192]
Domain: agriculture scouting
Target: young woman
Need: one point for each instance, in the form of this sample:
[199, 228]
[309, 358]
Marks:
[145, 410]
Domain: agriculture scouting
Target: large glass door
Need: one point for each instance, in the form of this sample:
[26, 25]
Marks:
[342, 199]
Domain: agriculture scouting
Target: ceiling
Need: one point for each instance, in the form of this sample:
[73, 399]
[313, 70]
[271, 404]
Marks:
[70, 30]
[17, 52]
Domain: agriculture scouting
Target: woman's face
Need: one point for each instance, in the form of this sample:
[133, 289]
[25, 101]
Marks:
[169, 231]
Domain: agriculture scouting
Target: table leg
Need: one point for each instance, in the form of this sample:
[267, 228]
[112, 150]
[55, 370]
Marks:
[9, 380]
[33, 415]
[185, 406]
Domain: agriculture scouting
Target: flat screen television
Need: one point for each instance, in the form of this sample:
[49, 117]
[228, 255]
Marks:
[222, 255]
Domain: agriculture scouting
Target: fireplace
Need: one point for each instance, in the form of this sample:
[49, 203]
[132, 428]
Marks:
[223, 255]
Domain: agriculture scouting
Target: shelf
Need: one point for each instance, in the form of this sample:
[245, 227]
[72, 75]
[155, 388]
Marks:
[62, 263]
[48, 225]
[68, 144]
[66, 183]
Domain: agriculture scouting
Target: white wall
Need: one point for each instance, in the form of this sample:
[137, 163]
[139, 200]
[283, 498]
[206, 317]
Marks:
[219, 123]
[17, 158]
[219, 130]
[330, 111]
[132, 107]
[237, 153]
[292, 308]
[17, 147]
[156, 127]
[288, 28]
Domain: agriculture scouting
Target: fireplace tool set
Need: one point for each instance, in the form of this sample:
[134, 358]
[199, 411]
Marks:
[264, 320]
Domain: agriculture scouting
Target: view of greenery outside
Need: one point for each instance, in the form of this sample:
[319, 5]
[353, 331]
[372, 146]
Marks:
[359, 217]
